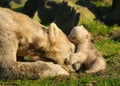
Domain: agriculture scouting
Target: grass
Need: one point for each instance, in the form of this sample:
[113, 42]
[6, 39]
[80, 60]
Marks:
[86, 80]
[109, 48]
[98, 28]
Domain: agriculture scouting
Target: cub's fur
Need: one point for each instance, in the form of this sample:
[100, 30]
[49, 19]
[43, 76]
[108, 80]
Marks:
[21, 36]
[86, 54]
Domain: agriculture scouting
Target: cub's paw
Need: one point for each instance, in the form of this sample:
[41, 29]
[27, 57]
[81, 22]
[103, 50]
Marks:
[76, 66]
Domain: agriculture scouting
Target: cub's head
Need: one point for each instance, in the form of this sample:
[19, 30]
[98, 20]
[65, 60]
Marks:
[79, 35]
[60, 47]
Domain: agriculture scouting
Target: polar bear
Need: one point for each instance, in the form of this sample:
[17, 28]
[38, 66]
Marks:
[86, 54]
[21, 36]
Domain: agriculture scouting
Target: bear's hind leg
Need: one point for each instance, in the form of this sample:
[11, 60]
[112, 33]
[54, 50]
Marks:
[97, 66]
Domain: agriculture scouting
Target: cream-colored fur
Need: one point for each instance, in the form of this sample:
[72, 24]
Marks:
[86, 54]
[21, 36]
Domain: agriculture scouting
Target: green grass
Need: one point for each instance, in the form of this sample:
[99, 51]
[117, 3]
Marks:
[110, 50]
[99, 3]
[97, 28]
[108, 47]
[89, 80]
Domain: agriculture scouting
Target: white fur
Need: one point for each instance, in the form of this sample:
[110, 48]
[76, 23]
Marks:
[85, 53]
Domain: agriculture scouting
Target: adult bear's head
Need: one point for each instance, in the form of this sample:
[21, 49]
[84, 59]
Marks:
[60, 46]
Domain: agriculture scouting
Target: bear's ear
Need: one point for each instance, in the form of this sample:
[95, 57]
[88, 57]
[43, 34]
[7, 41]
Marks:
[81, 26]
[53, 32]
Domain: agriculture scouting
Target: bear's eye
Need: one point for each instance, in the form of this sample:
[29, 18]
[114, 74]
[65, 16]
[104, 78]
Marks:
[73, 38]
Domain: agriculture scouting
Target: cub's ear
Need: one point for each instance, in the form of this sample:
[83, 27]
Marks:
[53, 32]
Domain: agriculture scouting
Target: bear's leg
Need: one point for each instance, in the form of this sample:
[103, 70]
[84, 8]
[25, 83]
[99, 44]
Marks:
[11, 69]
[98, 65]
[31, 70]
[78, 57]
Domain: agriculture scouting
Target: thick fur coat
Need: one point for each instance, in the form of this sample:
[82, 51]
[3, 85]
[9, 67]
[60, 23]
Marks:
[21, 36]
[86, 54]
